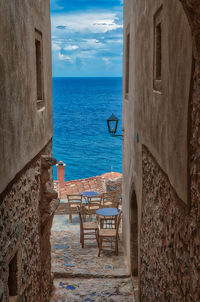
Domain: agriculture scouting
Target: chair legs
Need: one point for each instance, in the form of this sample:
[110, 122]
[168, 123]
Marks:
[116, 246]
[100, 246]
[97, 236]
[82, 237]
[82, 240]
[70, 217]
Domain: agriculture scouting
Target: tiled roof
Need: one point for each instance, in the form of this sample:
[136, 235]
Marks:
[111, 175]
[96, 183]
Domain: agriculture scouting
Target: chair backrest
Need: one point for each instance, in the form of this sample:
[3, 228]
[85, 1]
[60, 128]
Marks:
[75, 198]
[94, 201]
[109, 199]
[108, 223]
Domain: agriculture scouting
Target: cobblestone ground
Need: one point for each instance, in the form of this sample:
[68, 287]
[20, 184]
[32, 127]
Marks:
[79, 274]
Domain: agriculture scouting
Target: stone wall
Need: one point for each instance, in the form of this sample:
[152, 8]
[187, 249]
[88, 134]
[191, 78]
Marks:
[26, 210]
[170, 239]
[115, 185]
[156, 119]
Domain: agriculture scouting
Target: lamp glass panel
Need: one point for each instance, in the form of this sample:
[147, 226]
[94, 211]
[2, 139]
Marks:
[113, 126]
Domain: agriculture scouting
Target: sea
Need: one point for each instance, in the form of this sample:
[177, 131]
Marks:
[81, 139]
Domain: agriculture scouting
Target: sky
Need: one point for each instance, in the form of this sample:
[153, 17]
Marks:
[87, 38]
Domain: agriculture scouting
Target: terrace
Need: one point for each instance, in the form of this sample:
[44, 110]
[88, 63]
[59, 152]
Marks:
[79, 274]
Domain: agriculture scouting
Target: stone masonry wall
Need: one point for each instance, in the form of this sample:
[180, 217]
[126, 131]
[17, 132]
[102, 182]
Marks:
[26, 218]
[170, 240]
[115, 185]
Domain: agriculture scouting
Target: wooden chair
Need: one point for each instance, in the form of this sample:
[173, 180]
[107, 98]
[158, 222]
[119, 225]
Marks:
[109, 200]
[110, 235]
[93, 204]
[108, 222]
[74, 200]
[88, 230]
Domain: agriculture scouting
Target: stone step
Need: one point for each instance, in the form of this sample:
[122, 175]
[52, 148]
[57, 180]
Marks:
[89, 276]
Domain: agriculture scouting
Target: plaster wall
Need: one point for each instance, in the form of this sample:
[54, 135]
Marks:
[24, 130]
[158, 119]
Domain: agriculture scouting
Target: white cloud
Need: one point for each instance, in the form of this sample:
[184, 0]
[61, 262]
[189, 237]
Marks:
[117, 41]
[55, 46]
[106, 60]
[63, 57]
[71, 47]
[84, 47]
[85, 22]
[90, 44]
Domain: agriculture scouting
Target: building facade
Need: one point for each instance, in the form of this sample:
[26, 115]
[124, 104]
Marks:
[27, 198]
[161, 154]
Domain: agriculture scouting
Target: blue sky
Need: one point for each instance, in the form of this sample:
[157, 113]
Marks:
[87, 37]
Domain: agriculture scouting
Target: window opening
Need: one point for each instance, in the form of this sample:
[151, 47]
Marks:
[127, 62]
[157, 78]
[158, 52]
[39, 69]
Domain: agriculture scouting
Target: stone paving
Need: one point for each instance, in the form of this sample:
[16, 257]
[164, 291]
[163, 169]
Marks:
[79, 274]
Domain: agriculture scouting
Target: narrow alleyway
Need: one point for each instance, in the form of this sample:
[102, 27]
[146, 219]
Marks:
[79, 275]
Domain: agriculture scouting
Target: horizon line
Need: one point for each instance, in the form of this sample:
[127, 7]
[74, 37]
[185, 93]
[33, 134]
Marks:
[86, 77]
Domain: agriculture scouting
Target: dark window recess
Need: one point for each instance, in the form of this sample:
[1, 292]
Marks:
[127, 63]
[158, 52]
[13, 277]
[39, 69]
[157, 68]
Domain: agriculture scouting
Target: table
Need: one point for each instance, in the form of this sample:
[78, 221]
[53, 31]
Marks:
[89, 193]
[108, 212]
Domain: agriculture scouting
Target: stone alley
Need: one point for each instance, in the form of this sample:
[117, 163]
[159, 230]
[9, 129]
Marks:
[79, 274]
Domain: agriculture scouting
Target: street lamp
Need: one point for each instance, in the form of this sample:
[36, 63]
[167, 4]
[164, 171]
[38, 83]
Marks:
[112, 123]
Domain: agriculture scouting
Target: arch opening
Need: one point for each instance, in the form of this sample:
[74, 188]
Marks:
[134, 235]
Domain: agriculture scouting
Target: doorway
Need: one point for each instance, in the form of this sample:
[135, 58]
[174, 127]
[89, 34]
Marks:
[134, 235]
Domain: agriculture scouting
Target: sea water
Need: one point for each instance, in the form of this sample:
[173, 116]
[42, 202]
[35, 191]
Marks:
[81, 140]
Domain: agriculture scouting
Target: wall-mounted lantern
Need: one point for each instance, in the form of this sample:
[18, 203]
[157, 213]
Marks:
[112, 123]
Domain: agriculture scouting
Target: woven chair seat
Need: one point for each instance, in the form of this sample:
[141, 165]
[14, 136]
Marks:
[73, 205]
[91, 207]
[107, 232]
[90, 225]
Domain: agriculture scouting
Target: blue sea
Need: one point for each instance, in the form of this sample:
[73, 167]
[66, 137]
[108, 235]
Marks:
[81, 140]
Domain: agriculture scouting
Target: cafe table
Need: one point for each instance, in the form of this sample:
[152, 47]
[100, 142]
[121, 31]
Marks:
[108, 213]
[87, 194]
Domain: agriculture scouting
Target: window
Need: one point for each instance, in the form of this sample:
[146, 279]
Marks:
[157, 78]
[39, 69]
[127, 62]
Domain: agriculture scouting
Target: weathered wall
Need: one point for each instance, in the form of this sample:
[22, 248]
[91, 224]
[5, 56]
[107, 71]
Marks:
[170, 240]
[24, 130]
[26, 216]
[160, 119]
[165, 173]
